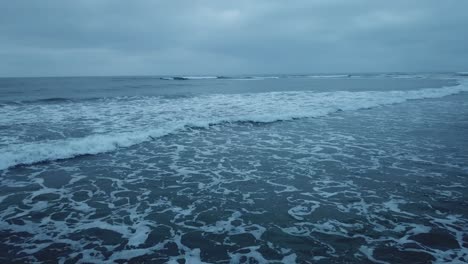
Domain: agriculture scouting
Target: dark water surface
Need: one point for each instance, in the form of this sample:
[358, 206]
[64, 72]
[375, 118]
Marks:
[300, 169]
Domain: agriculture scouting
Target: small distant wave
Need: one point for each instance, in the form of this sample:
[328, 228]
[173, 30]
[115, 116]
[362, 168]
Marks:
[306, 76]
[334, 76]
[254, 78]
[129, 122]
[404, 76]
[264, 77]
[9, 103]
[393, 75]
[464, 74]
[186, 78]
[134, 78]
[53, 100]
[46, 101]
[299, 76]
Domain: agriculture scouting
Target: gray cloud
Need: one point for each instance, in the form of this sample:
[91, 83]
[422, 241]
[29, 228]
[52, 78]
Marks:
[109, 37]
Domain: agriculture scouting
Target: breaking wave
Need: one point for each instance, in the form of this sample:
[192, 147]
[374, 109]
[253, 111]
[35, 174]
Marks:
[311, 76]
[186, 78]
[113, 123]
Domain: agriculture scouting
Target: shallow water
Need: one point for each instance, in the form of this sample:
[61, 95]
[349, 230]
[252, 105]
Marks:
[359, 175]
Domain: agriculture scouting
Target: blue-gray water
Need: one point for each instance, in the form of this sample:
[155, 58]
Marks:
[240, 169]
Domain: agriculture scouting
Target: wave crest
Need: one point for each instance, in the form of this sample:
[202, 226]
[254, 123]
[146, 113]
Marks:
[117, 124]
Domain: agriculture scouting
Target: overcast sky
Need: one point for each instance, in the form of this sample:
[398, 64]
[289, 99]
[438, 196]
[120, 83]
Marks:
[112, 37]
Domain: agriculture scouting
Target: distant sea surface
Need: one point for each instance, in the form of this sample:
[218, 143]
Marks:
[348, 168]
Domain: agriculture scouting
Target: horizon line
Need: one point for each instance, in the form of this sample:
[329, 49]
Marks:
[222, 75]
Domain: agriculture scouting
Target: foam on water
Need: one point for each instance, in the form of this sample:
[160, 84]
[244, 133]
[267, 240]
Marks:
[358, 186]
[108, 124]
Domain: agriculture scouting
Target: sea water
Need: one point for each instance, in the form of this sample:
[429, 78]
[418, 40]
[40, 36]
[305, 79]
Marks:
[234, 169]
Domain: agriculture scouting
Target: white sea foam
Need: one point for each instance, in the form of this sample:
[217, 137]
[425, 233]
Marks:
[252, 256]
[299, 211]
[109, 124]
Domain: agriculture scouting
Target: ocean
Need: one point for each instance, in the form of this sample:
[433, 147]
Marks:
[348, 168]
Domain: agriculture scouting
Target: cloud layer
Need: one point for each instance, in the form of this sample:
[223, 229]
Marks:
[117, 37]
